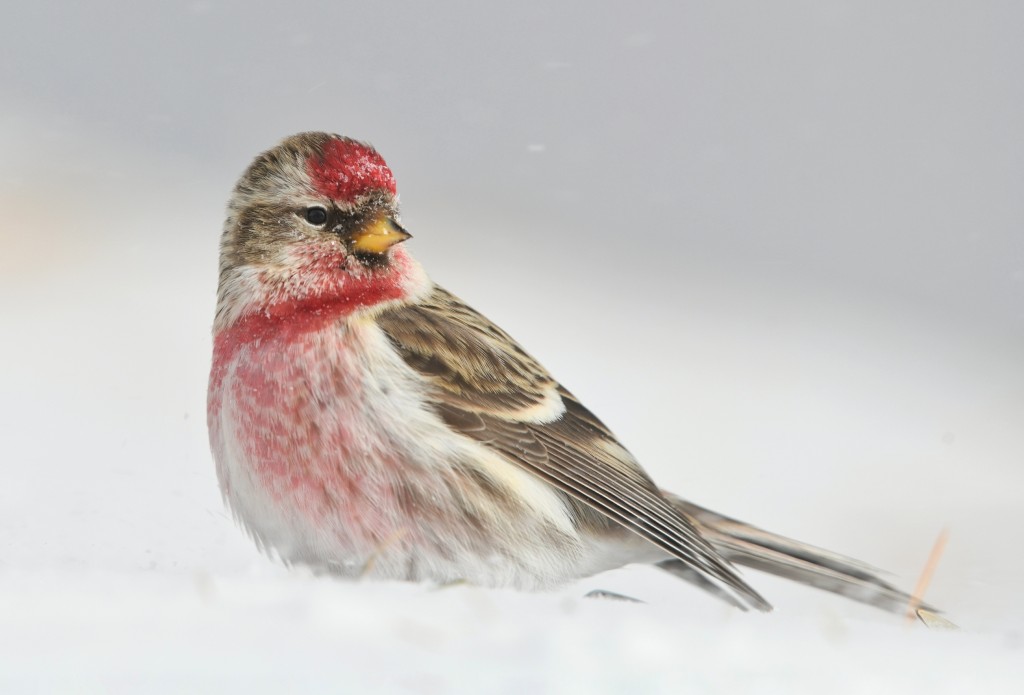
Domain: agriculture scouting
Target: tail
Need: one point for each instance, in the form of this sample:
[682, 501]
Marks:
[750, 546]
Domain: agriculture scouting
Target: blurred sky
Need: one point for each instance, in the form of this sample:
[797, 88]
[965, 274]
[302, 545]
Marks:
[778, 247]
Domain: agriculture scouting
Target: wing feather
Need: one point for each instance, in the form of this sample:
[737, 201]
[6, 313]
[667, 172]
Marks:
[485, 386]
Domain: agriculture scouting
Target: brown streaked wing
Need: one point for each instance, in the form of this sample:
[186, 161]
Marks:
[472, 362]
[483, 382]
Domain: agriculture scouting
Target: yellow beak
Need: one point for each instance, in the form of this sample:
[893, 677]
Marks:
[378, 235]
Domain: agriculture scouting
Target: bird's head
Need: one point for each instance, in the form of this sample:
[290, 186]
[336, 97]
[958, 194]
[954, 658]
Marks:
[311, 221]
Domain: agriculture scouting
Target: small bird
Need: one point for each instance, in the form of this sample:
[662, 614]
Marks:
[367, 423]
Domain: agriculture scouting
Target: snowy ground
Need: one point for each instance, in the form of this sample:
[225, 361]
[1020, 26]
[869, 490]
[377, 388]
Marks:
[273, 632]
[830, 347]
[121, 572]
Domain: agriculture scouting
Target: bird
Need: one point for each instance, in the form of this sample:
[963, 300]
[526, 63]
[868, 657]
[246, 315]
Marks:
[367, 423]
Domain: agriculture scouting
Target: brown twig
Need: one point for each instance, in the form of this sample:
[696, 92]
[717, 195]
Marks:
[917, 597]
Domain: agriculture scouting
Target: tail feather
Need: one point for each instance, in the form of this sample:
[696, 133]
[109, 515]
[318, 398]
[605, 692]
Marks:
[756, 548]
[683, 571]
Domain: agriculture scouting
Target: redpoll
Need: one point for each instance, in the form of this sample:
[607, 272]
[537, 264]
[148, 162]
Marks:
[366, 422]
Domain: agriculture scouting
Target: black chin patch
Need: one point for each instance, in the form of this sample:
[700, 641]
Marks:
[372, 260]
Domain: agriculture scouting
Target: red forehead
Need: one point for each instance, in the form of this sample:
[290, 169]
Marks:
[345, 170]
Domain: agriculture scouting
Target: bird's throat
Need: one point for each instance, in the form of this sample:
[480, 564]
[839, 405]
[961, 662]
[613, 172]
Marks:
[329, 293]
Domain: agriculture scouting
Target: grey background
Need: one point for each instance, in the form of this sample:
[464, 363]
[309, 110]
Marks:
[776, 246]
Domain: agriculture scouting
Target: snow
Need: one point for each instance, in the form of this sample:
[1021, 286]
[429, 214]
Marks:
[800, 306]
[276, 632]
[121, 571]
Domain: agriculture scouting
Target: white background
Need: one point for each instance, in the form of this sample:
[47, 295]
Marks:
[778, 247]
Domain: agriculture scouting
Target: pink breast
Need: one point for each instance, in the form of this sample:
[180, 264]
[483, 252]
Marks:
[303, 434]
[291, 376]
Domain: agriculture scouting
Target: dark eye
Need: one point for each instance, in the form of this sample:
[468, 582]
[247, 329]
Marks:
[317, 216]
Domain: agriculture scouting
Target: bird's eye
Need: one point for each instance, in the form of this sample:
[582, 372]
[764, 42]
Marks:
[316, 215]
